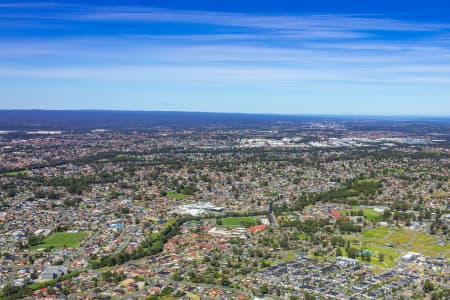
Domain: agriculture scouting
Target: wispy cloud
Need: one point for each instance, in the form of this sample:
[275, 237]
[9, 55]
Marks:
[285, 22]
[206, 75]
[29, 4]
[313, 25]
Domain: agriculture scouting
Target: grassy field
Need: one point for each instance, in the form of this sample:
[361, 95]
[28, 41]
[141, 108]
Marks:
[369, 213]
[62, 240]
[302, 236]
[125, 156]
[16, 173]
[177, 196]
[192, 296]
[289, 256]
[377, 233]
[401, 237]
[237, 221]
[401, 240]
[308, 206]
[390, 256]
[105, 269]
[426, 245]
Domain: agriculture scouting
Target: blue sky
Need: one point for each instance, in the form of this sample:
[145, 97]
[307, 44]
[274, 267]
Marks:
[288, 57]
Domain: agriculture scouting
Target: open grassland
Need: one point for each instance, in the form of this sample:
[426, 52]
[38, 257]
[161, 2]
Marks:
[377, 233]
[426, 245]
[402, 240]
[62, 240]
[401, 237]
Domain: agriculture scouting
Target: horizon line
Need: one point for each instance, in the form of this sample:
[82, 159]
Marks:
[231, 113]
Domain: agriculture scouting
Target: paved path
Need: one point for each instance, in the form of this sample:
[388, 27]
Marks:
[412, 239]
[387, 236]
[273, 218]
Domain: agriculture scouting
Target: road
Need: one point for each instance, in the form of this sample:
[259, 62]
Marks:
[273, 218]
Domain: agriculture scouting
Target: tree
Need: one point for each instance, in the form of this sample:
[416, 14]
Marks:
[264, 289]
[352, 252]
[167, 291]
[177, 276]
[33, 239]
[225, 282]
[428, 286]
[309, 296]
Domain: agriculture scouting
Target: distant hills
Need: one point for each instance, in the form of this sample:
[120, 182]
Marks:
[93, 119]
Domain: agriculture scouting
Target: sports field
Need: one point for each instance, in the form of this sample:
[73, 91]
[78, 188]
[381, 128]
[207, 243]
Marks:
[62, 240]
[238, 221]
[369, 213]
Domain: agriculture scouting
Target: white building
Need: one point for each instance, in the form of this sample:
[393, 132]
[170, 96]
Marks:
[52, 272]
[410, 256]
[346, 261]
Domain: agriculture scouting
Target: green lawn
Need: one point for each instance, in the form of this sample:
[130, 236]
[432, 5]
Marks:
[308, 206]
[369, 213]
[192, 296]
[376, 233]
[62, 239]
[389, 256]
[16, 173]
[176, 196]
[104, 269]
[237, 221]
[302, 236]
[289, 256]
[125, 156]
